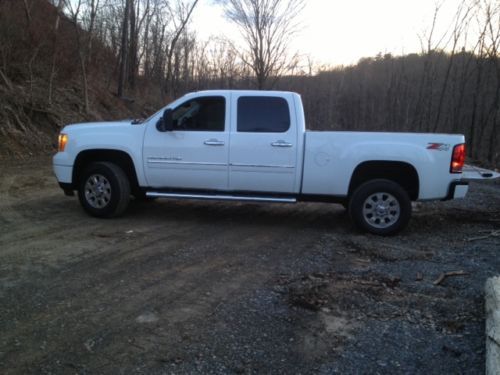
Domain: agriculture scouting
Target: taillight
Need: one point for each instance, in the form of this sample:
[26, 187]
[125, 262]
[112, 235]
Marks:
[63, 139]
[457, 159]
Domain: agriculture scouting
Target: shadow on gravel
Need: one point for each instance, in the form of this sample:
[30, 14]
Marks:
[318, 216]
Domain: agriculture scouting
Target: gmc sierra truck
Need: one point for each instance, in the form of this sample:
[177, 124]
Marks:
[254, 146]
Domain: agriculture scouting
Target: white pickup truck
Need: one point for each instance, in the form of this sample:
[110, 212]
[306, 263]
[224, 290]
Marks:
[253, 146]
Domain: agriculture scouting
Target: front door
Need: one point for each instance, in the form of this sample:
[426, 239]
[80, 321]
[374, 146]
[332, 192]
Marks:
[194, 155]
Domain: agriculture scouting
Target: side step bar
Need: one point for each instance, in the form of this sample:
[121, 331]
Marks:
[245, 198]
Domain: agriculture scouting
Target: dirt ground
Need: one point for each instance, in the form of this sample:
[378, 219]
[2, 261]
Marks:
[209, 287]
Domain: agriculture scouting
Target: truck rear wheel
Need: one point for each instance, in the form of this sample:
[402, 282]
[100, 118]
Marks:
[104, 190]
[380, 207]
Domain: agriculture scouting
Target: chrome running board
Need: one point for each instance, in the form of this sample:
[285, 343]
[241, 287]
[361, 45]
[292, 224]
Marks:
[245, 198]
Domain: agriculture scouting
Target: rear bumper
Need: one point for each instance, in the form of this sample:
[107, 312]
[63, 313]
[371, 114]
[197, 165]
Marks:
[457, 190]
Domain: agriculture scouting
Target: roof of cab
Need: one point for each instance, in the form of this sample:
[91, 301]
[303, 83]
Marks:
[240, 92]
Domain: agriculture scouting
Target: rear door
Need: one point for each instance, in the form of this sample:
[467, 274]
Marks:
[263, 143]
[195, 154]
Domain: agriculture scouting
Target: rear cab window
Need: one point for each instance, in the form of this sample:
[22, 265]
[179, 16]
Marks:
[263, 114]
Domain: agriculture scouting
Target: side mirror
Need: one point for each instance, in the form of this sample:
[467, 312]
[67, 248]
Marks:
[165, 123]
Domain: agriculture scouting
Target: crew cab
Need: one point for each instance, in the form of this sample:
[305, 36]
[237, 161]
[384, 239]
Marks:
[254, 146]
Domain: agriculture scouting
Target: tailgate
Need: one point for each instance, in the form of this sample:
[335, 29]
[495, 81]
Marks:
[471, 172]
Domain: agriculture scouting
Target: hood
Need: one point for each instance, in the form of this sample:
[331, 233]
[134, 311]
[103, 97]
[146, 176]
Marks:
[99, 125]
[104, 123]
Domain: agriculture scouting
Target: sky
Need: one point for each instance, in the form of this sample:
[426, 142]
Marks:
[340, 32]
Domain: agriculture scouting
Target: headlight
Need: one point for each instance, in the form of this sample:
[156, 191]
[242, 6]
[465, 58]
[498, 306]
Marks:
[63, 139]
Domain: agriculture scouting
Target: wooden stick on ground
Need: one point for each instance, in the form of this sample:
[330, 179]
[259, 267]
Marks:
[495, 233]
[444, 275]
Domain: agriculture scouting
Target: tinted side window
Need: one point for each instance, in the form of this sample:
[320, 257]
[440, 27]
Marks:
[263, 114]
[201, 114]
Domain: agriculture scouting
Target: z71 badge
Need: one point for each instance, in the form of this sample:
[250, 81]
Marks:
[438, 146]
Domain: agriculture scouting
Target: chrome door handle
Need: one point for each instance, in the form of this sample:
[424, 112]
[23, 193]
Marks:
[213, 142]
[281, 143]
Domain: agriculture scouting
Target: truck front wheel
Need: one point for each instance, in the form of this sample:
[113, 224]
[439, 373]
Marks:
[380, 207]
[104, 190]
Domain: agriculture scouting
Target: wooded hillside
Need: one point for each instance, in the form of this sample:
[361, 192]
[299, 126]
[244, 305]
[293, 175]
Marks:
[67, 61]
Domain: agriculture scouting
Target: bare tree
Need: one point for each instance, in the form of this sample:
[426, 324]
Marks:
[267, 27]
[57, 22]
[492, 21]
[124, 48]
[78, 11]
[35, 47]
[461, 23]
[182, 15]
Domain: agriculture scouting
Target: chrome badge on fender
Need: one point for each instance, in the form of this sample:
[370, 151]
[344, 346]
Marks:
[438, 146]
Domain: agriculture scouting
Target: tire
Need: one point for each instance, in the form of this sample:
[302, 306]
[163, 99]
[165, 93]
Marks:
[104, 190]
[387, 218]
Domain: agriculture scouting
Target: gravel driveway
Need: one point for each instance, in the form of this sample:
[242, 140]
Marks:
[209, 287]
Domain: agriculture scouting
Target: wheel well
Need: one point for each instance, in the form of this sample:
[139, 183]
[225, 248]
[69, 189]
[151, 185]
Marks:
[120, 158]
[402, 173]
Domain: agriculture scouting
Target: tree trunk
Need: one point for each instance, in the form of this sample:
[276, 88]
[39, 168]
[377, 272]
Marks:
[54, 53]
[84, 82]
[124, 50]
[132, 56]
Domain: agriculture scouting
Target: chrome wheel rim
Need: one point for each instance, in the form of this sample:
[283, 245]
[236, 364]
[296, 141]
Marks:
[381, 210]
[97, 191]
